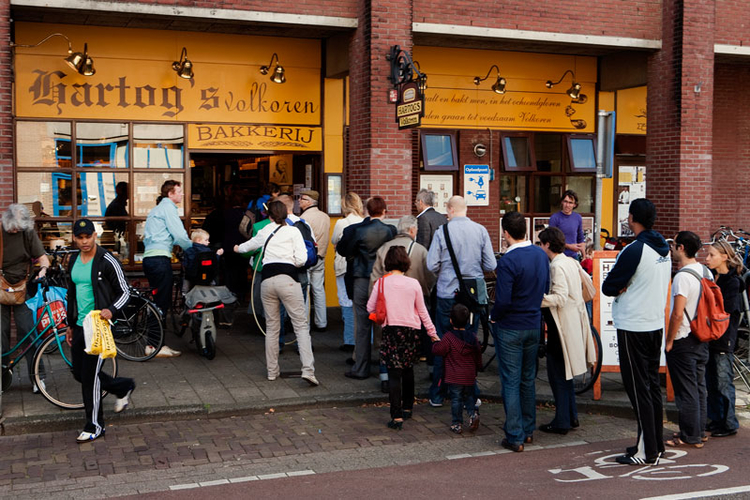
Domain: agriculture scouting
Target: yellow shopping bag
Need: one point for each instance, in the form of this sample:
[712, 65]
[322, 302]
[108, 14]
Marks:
[98, 335]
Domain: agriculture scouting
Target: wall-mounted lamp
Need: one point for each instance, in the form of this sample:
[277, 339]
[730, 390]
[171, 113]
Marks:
[574, 91]
[278, 72]
[499, 86]
[183, 67]
[421, 78]
[79, 61]
[404, 69]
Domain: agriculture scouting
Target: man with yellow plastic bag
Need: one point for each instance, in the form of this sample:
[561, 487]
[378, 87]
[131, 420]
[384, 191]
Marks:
[98, 335]
[98, 285]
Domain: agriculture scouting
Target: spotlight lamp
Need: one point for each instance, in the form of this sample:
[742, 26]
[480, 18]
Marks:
[278, 72]
[81, 62]
[575, 89]
[499, 86]
[183, 67]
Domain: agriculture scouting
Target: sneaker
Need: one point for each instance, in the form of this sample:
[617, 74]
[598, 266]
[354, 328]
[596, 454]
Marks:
[85, 437]
[167, 352]
[311, 380]
[436, 404]
[38, 388]
[457, 428]
[123, 402]
[631, 460]
[149, 350]
[474, 422]
[517, 448]
[272, 377]
[478, 403]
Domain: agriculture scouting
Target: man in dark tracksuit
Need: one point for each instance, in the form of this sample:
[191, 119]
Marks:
[640, 282]
[98, 284]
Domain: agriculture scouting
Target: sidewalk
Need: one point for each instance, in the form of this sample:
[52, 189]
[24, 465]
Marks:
[235, 383]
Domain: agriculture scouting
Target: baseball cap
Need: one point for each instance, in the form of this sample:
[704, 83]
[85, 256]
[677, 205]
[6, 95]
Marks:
[83, 226]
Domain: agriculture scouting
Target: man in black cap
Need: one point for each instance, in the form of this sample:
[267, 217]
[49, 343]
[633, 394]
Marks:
[98, 284]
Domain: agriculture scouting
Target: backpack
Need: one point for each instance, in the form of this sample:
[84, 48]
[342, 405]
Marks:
[710, 321]
[246, 224]
[203, 269]
[310, 245]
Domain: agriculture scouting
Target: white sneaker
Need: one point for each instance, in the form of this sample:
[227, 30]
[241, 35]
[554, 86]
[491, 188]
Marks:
[272, 377]
[149, 350]
[123, 402]
[310, 379]
[85, 437]
[478, 403]
[167, 352]
[38, 388]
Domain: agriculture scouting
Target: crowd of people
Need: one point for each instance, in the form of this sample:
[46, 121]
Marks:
[415, 292]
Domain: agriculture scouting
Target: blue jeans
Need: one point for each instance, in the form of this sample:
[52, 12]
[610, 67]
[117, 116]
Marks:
[516, 354]
[720, 386]
[442, 325]
[461, 396]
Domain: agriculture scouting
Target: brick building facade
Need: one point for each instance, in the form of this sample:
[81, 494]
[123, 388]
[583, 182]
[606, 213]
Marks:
[692, 57]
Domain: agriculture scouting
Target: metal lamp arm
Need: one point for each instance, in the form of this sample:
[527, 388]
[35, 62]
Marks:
[551, 83]
[70, 46]
[477, 80]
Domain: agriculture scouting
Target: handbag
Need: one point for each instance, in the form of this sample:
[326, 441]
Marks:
[472, 292]
[587, 286]
[380, 314]
[11, 294]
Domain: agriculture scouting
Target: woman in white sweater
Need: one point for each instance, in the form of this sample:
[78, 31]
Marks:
[570, 346]
[284, 253]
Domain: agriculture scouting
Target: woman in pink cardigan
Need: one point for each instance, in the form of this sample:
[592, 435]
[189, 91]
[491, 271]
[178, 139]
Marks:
[405, 314]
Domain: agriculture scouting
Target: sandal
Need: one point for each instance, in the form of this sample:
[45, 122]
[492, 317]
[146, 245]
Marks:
[676, 441]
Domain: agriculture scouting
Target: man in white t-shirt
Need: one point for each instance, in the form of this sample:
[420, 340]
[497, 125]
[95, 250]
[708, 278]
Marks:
[686, 355]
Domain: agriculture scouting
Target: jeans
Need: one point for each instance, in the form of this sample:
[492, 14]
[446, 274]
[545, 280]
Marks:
[442, 325]
[563, 391]
[687, 366]
[317, 274]
[363, 328]
[347, 311]
[461, 396]
[516, 354]
[720, 386]
[24, 323]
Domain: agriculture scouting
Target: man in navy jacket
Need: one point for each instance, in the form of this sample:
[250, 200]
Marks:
[522, 281]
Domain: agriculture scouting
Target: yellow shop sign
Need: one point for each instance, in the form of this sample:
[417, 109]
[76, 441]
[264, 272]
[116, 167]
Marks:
[254, 137]
[631, 111]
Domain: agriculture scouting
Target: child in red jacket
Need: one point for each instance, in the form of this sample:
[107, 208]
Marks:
[463, 357]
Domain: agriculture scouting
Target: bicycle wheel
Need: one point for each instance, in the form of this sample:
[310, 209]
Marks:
[741, 347]
[586, 381]
[53, 373]
[138, 325]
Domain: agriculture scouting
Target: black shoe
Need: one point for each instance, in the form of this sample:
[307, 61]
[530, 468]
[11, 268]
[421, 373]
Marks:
[355, 376]
[317, 328]
[346, 347]
[385, 386]
[395, 425]
[510, 446]
[350, 361]
[631, 450]
[574, 424]
[552, 430]
[722, 433]
[713, 426]
[631, 460]
[407, 414]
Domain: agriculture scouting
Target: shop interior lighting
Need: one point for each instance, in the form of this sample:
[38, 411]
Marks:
[81, 62]
[575, 89]
[183, 67]
[499, 86]
[278, 72]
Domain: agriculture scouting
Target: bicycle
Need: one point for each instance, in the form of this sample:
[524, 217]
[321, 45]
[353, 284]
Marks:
[52, 362]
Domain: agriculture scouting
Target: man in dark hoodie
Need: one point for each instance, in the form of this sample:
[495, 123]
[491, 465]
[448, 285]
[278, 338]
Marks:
[640, 282]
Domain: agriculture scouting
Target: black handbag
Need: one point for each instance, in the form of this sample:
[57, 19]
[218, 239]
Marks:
[472, 292]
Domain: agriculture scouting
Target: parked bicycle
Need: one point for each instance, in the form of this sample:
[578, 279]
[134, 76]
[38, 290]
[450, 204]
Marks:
[52, 361]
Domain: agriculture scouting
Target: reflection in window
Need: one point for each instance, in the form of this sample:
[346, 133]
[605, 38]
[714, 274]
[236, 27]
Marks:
[43, 144]
[584, 187]
[513, 196]
[114, 241]
[54, 234]
[547, 192]
[147, 187]
[52, 190]
[439, 151]
[102, 144]
[548, 152]
[517, 152]
[98, 190]
[582, 155]
[158, 146]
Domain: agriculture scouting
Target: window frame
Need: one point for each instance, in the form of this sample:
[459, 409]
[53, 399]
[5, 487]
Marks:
[571, 160]
[532, 156]
[453, 134]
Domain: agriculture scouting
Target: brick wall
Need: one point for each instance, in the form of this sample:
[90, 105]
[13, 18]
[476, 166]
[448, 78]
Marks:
[6, 108]
[731, 129]
[732, 24]
[680, 115]
[341, 8]
[638, 19]
[380, 155]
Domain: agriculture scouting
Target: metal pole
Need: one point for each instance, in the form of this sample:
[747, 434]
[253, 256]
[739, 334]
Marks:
[600, 138]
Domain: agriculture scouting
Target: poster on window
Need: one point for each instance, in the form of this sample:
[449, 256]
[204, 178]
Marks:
[631, 185]
[442, 186]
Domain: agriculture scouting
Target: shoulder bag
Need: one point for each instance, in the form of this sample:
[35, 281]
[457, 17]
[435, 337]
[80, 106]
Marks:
[11, 294]
[472, 292]
[380, 314]
[587, 286]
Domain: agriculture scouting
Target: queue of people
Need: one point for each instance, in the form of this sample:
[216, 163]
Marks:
[431, 292]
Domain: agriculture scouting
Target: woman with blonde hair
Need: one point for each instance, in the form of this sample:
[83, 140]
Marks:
[728, 267]
[353, 210]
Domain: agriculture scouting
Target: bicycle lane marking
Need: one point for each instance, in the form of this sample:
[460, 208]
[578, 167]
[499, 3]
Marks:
[702, 494]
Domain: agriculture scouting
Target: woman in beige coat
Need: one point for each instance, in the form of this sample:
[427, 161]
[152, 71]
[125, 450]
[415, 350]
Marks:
[570, 346]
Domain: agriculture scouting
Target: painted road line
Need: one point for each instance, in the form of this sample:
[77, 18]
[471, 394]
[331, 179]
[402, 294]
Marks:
[702, 494]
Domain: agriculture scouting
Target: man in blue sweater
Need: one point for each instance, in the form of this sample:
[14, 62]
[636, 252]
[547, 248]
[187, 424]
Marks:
[522, 281]
[640, 282]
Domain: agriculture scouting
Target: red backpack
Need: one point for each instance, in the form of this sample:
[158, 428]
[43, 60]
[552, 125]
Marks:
[710, 321]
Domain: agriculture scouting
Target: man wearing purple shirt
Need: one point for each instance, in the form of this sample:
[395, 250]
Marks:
[570, 223]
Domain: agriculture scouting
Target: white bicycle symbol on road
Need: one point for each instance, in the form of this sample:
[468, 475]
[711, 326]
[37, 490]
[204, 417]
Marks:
[665, 471]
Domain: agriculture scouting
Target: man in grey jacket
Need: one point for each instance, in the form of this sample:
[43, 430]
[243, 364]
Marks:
[428, 219]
